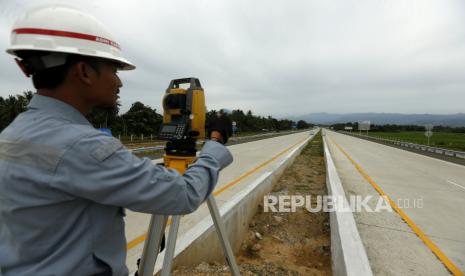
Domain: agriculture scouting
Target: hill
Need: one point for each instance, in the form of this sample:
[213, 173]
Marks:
[453, 120]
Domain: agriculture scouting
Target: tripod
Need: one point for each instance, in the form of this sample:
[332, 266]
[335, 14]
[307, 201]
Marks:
[159, 222]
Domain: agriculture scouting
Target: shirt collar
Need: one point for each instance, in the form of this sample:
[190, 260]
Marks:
[58, 108]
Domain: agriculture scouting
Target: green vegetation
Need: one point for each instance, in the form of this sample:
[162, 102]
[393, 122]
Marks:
[449, 140]
[13, 105]
[443, 136]
[399, 128]
[142, 120]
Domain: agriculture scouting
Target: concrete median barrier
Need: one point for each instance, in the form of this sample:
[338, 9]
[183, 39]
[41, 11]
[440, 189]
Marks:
[347, 251]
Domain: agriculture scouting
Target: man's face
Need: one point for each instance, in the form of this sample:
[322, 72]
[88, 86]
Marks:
[107, 83]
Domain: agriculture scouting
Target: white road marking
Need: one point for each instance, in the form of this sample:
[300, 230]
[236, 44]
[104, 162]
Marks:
[458, 185]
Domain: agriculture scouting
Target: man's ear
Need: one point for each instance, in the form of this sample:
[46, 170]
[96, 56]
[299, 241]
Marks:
[84, 72]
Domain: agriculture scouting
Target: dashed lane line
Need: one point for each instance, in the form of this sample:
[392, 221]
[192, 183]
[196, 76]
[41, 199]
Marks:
[458, 185]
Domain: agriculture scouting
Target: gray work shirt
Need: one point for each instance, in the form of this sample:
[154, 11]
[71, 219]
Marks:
[63, 187]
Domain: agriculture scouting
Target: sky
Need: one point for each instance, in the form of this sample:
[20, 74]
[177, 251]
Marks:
[280, 58]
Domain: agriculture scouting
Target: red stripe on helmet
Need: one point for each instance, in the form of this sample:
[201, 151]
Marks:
[66, 34]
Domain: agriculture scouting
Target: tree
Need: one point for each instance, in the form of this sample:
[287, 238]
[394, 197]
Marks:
[104, 117]
[285, 124]
[210, 115]
[301, 124]
[12, 106]
[142, 119]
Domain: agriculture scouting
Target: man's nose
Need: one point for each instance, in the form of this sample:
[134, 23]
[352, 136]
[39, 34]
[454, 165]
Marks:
[120, 83]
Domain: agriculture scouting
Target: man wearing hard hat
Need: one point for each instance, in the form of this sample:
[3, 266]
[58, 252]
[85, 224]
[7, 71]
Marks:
[63, 183]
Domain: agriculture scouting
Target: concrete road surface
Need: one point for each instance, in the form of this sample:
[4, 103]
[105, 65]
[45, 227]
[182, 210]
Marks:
[430, 192]
[249, 158]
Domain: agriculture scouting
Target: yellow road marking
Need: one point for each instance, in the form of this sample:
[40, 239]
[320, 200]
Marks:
[441, 256]
[136, 241]
[142, 237]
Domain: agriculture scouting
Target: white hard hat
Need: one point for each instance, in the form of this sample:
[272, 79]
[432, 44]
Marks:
[61, 29]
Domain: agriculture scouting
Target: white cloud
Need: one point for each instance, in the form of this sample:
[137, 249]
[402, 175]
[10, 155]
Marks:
[284, 57]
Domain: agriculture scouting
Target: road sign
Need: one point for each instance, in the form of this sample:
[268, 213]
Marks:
[428, 134]
[348, 128]
[429, 127]
[365, 125]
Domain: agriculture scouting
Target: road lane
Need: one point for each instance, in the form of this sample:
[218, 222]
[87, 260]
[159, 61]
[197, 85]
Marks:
[410, 179]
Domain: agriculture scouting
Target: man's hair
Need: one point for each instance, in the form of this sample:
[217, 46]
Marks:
[52, 77]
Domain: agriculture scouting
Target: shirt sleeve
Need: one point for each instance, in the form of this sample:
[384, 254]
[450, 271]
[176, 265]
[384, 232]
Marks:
[99, 168]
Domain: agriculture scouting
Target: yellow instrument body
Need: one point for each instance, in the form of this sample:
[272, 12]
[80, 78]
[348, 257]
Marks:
[197, 108]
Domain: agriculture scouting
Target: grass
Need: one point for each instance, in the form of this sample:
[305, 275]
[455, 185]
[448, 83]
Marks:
[448, 140]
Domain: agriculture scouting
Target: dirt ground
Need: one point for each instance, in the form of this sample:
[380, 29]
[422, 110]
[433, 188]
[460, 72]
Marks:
[286, 243]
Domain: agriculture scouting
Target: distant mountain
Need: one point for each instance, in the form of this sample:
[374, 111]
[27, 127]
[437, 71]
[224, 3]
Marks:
[454, 120]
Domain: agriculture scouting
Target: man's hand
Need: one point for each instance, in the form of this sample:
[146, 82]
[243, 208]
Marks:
[216, 136]
[220, 129]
